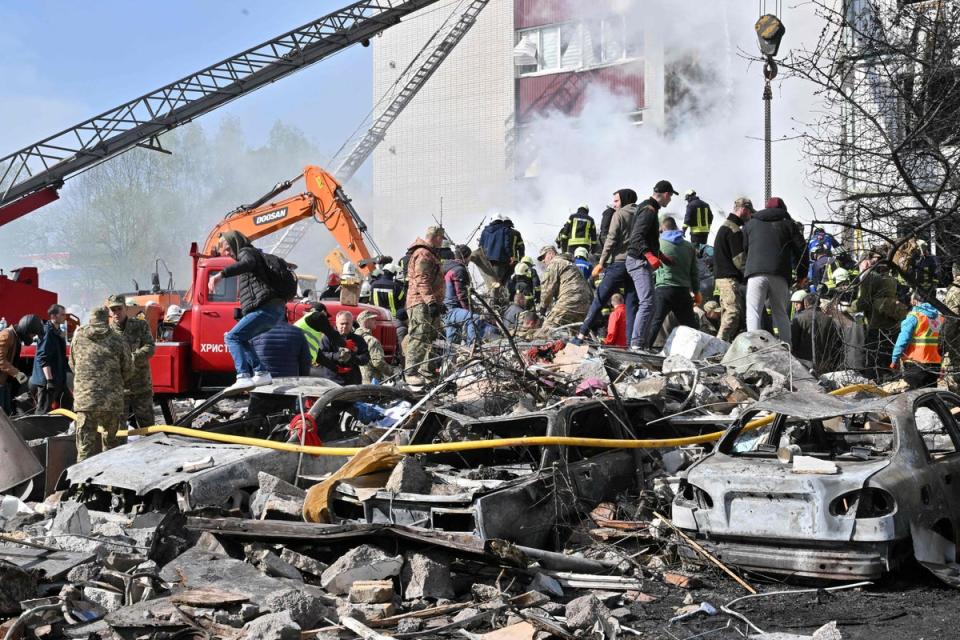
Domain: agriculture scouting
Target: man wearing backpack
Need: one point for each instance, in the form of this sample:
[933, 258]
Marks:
[261, 304]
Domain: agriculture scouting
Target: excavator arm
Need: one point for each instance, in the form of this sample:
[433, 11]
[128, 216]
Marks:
[324, 201]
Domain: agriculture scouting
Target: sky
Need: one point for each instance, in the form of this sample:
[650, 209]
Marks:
[63, 62]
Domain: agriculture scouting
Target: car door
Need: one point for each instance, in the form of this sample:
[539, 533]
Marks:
[939, 483]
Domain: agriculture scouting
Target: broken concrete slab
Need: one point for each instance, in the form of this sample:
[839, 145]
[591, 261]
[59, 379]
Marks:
[585, 611]
[365, 612]
[303, 563]
[72, 519]
[365, 562]
[304, 606]
[272, 565]
[409, 477]
[273, 626]
[276, 498]
[427, 575]
[108, 599]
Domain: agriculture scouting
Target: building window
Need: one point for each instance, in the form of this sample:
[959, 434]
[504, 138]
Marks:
[575, 45]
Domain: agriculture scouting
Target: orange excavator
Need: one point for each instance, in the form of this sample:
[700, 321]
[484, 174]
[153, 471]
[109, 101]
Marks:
[324, 201]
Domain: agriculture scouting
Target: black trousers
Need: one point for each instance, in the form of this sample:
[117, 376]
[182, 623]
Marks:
[675, 299]
[919, 375]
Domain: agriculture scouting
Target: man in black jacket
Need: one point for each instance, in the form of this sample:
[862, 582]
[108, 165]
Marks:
[729, 259]
[261, 307]
[644, 257]
[344, 357]
[50, 365]
[774, 248]
[815, 337]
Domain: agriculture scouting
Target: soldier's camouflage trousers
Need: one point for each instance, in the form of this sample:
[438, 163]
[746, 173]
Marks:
[96, 432]
[141, 406]
[423, 330]
[731, 308]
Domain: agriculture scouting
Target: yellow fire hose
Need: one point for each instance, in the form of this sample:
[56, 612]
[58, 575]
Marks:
[468, 445]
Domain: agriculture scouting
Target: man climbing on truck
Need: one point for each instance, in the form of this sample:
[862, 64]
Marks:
[261, 305]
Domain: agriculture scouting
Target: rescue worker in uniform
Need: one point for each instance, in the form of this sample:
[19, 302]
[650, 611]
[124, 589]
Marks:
[424, 304]
[917, 350]
[566, 296]
[926, 268]
[951, 333]
[522, 282]
[579, 231]
[527, 260]
[138, 394]
[377, 368]
[698, 219]
[103, 367]
[316, 326]
[581, 260]
[388, 292]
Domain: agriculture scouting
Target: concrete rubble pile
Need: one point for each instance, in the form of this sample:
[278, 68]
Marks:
[681, 535]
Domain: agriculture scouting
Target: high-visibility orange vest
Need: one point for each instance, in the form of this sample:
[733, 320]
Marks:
[924, 345]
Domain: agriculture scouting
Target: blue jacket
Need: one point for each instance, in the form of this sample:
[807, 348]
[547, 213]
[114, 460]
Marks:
[907, 327]
[585, 267]
[496, 240]
[51, 352]
[283, 350]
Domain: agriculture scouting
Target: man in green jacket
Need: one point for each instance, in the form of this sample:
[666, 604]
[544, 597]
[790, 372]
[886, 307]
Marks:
[678, 280]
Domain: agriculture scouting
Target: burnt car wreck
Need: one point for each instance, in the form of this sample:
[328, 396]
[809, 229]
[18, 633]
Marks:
[838, 489]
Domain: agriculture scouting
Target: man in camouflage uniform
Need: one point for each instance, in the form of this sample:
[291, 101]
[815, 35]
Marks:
[377, 368]
[950, 335]
[138, 394]
[424, 305]
[564, 287]
[102, 367]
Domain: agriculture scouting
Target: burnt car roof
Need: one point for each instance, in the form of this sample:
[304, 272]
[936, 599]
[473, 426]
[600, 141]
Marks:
[801, 405]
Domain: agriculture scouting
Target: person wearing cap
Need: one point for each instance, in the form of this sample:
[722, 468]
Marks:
[708, 316]
[612, 264]
[377, 368]
[566, 296]
[138, 395]
[644, 258]
[729, 260]
[815, 337]
[424, 304]
[951, 333]
[11, 340]
[698, 219]
[49, 375]
[102, 368]
[774, 248]
[460, 324]
[579, 231]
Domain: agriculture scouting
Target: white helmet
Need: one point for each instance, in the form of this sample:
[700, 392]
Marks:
[173, 314]
[798, 295]
[391, 268]
[581, 252]
[349, 270]
[841, 275]
[365, 288]
[522, 269]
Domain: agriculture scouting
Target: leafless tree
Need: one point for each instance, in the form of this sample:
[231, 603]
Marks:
[885, 147]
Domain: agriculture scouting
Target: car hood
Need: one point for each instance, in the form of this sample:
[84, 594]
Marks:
[763, 497]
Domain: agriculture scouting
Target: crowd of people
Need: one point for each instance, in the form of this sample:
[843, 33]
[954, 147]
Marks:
[626, 282]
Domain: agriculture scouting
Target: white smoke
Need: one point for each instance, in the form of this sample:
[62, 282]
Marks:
[715, 145]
